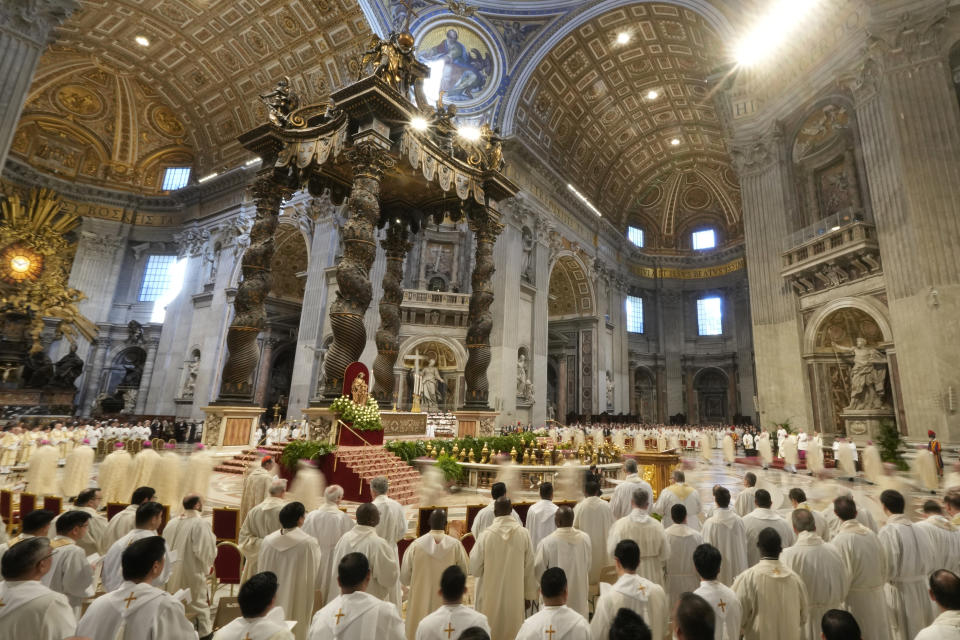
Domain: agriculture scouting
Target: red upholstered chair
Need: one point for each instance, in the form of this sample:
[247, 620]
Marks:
[53, 503]
[472, 511]
[227, 566]
[423, 519]
[402, 545]
[521, 508]
[6, 506]
[468, 541]
[113, 508]
[165, 520]
[28, 503]
[226, 523]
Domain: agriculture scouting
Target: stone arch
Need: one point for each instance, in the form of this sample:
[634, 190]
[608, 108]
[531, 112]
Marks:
[869, 306]
[645, 392]
[711, 385]
[571, 291]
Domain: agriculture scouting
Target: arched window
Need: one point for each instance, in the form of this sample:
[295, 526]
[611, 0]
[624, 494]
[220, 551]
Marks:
[635, 235]
[703, 239]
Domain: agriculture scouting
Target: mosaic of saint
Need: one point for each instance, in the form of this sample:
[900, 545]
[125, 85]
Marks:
[461, 61]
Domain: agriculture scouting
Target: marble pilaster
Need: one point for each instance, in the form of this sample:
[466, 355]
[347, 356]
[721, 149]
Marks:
[147, 377]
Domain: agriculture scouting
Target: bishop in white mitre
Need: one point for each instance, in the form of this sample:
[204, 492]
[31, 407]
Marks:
[865, 567]
[773, 598]
[726, 605]
[29, 608]
[355, 614]
[540, 516]
[761, 518]
[452, 617]
[259, 618]
[679, 493]
[192, 539]
[423, 564]
[594, 517]
[631, 591]
[502, 561]
[327, 524]
[382, 556]
[647, 533]
[149, 517]
[556, 619]
[724, 530]
[683, 541]
[262, 520]
[572, 551]
[137, 610]
[256, 486]
[910, 556]
[821, 568]
[294, 557]
[123, 523]
[70, 573]
[622, 498]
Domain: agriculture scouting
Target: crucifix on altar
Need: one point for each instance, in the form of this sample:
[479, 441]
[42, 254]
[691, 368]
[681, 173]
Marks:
[417, 378]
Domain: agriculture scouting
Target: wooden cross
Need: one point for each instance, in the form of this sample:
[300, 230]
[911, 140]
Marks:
[550, 632]
[449, 629]
[339, 615]
[722, 605]
[130, 599]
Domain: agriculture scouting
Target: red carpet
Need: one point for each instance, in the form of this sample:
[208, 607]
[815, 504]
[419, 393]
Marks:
[238, 463]
[354, 467]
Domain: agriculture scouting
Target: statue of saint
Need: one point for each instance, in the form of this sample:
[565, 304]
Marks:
[68, 369]
[359, 390]
[429, 382]
[190, 384]
[867, 377]
[610, 390]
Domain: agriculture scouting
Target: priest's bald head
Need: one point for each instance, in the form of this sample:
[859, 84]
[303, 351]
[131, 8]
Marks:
[28, 559]
[502, 506]
[944, 589]
[563, 517]
[438, 520]
[353, 572]
[368, 515]
[769, 543]
[803, 521]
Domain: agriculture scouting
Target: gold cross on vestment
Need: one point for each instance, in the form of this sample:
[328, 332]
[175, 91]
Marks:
[449, 629]
[776, 572]
[2, 603]
[642, 589]
[550, 632]
[247, 637]
[339, 615]
[723, 606]
[129, 600]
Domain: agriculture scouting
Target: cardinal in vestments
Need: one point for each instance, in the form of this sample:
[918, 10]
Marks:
[327, 525]
[925, 470]
[307, 486]
[572, 551]
[192, 538]
[144, 464]
[423, 565]
[593, 516]
[294, 557]
[872, 463]
[167, 476]
[503, 562]
[199, 469]
[76, 470]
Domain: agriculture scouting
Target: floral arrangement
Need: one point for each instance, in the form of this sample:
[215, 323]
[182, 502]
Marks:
[362, 417]
[297, 450]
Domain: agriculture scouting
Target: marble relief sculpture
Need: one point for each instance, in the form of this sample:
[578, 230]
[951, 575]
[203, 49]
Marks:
[867, 377]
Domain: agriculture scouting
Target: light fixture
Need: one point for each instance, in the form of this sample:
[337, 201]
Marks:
[208, 177]
[623, 37]
[836, 228]
[772, 30]
[20, 263]
[251, 162]
[418, 123]
[468, 132]
[675, 141]
[652, 94]
[585, 201]
[142, 41]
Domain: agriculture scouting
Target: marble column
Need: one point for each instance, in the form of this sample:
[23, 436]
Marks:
[263, 373]
[147, 376]
[25, 28]
[909, 124]
[396, 245]
[486, 228]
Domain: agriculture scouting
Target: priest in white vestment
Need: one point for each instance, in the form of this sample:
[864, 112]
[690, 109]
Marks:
[30, 608]
[70, 573]
[630, 591]
[745, 502]
[944, 536]
[679, 493]
[502, 561]
[724, 529]
[256, 486]
[729, 449]
[191, 537]
[772, 597]
[683, 541]
[262, 520]
[137, 610]
[122, 523]
[865, 567]
[647, 533]
[259, 618]
[354, 614]
[484, 517]
[294, 557]
[572, 551]
[864, 516]
[910, 556]
[945, 592]
[873, 463]
[798, 499]
[555, 619]
[622, 497]
[760, 518]
[114, 474]
[148, 518]
[452, 617]
[791, 455]
[819, 565]
[423, 564]
[726, 605]
[327, 524]
[540, 516]
[393, 517]
[93, 540]
[380, 554]
[593, 516]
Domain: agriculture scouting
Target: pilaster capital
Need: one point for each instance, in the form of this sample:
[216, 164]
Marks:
[864, 81]
[907, 33]
[191, 241]
[370, 160]
[34, 20]
[755, 156]
[101, 246]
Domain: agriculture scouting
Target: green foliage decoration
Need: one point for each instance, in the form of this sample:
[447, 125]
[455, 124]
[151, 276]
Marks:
[891, 443]
[297, 450]
[452, 470]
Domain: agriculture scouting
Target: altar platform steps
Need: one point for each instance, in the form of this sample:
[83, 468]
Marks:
[355, 467]
[238, 463]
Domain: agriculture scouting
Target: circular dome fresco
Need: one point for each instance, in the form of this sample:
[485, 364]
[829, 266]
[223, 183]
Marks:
[466, 65]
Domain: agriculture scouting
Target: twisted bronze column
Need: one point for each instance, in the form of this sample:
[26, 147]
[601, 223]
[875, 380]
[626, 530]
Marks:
[388, 335]
[485, 228]
[353, 272]
[249, 311]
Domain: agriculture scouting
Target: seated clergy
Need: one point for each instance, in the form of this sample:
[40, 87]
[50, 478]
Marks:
[124, 522]
[31, 609]
[137, 610]
[355, 614]
[259, 618]
[452, 617]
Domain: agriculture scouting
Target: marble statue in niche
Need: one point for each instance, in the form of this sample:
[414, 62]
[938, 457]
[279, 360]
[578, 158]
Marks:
[867, 377]
[429, 383]
[211, 262]
[190, 382]
[68, 369]
[610, 390]
[526, 266]
[524, 385]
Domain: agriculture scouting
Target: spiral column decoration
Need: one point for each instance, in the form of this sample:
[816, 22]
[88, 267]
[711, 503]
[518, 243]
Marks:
[369, 161]
[388, 335]
[485, 228]
[250, 313]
